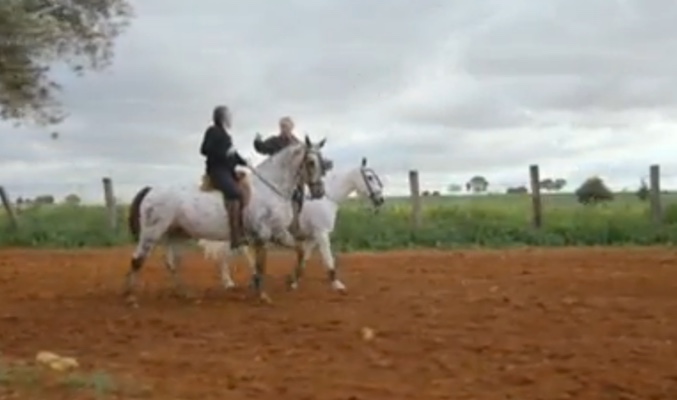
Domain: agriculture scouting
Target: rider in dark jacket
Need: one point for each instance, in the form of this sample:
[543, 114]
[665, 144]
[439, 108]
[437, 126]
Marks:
[222, 158]
[272, 145]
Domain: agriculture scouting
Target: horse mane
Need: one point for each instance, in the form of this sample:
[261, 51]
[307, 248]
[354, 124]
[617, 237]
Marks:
[275, 158]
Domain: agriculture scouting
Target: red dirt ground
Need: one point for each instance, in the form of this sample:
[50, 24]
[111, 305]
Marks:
[521, 324]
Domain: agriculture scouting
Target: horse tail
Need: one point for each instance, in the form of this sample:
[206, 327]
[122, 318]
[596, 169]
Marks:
[134, 219]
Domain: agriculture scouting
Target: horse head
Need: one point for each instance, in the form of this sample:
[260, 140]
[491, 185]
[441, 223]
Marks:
[368, 184]
[311, 166]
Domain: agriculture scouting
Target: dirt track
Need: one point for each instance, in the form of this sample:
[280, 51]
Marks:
[520, 324]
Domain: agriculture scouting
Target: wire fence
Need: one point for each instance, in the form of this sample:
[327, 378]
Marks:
[114, 195]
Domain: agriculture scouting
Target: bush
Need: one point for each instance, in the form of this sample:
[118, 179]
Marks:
[643, 191]
[448, 222]
[593, 191]
[517, 190]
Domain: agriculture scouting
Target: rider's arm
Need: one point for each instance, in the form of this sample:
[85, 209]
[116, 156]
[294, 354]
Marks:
[227, 143]
[269, 146]
[240, 160]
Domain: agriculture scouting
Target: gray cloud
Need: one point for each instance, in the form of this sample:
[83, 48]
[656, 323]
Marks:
[450, 88]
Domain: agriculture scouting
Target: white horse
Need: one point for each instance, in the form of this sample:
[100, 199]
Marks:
[173, 215]
[317, 220]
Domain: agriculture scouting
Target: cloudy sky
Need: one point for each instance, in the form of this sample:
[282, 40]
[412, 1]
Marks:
[452, 88]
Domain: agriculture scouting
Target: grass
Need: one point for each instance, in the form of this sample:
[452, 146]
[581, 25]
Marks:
[20, 377]
[448, 222]
[98, 382]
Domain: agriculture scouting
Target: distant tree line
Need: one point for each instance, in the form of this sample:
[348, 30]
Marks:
[46, 199]
[592, 191]
[480, 184]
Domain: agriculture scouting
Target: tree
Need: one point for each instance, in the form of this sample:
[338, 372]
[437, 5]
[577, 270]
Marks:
[72, 199]
[454, 188]
[477, 184]
[547, 184]
[559, 184]
[436, 193]
[44, 199]
[426, 193]
[593, 190]
[36, 34]
[643, 191]
[517, 190]
[553, 185]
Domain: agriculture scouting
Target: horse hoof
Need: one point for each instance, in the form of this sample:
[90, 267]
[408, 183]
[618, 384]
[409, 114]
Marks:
[339, 287]
[265, 299]
[292, 283]
[131, 302]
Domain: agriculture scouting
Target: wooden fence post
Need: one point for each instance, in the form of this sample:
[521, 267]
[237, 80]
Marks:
[414, 188]
[111, 207]
[9, 209]
[536, 201]
[655, 194]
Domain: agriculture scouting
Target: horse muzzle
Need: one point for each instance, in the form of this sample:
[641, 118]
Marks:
[316, 190]
[377, 202]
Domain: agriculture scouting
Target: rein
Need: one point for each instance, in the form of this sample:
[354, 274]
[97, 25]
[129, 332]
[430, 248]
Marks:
[273, 187]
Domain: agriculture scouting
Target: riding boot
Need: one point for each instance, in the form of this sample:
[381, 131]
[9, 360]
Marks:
[295, 228]
[234, 210]
[297, 205]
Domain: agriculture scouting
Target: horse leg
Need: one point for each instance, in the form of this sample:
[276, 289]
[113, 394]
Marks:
[284, 238]
[251, 261]
[303, 252]
[261, 255]
[329, 262]
[143, 249]
[224, 265]
[224, 270]
[172, 264]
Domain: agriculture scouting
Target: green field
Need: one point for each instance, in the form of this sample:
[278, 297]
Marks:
[454, 221]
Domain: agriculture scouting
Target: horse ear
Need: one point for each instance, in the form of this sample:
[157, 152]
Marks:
[364, 162]
[322, 143]
[308, 141]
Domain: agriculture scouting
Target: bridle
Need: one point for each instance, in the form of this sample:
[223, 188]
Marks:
[298, 175]
[303, 169]
[376, 201]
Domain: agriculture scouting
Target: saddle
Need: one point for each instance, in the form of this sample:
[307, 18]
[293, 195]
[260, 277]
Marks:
[242, 182]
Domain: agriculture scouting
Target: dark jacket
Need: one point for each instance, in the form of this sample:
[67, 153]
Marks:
[273, 144]
[215, 145]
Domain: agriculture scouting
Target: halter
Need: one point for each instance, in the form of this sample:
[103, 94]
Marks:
[372, 195]
[299, 171]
